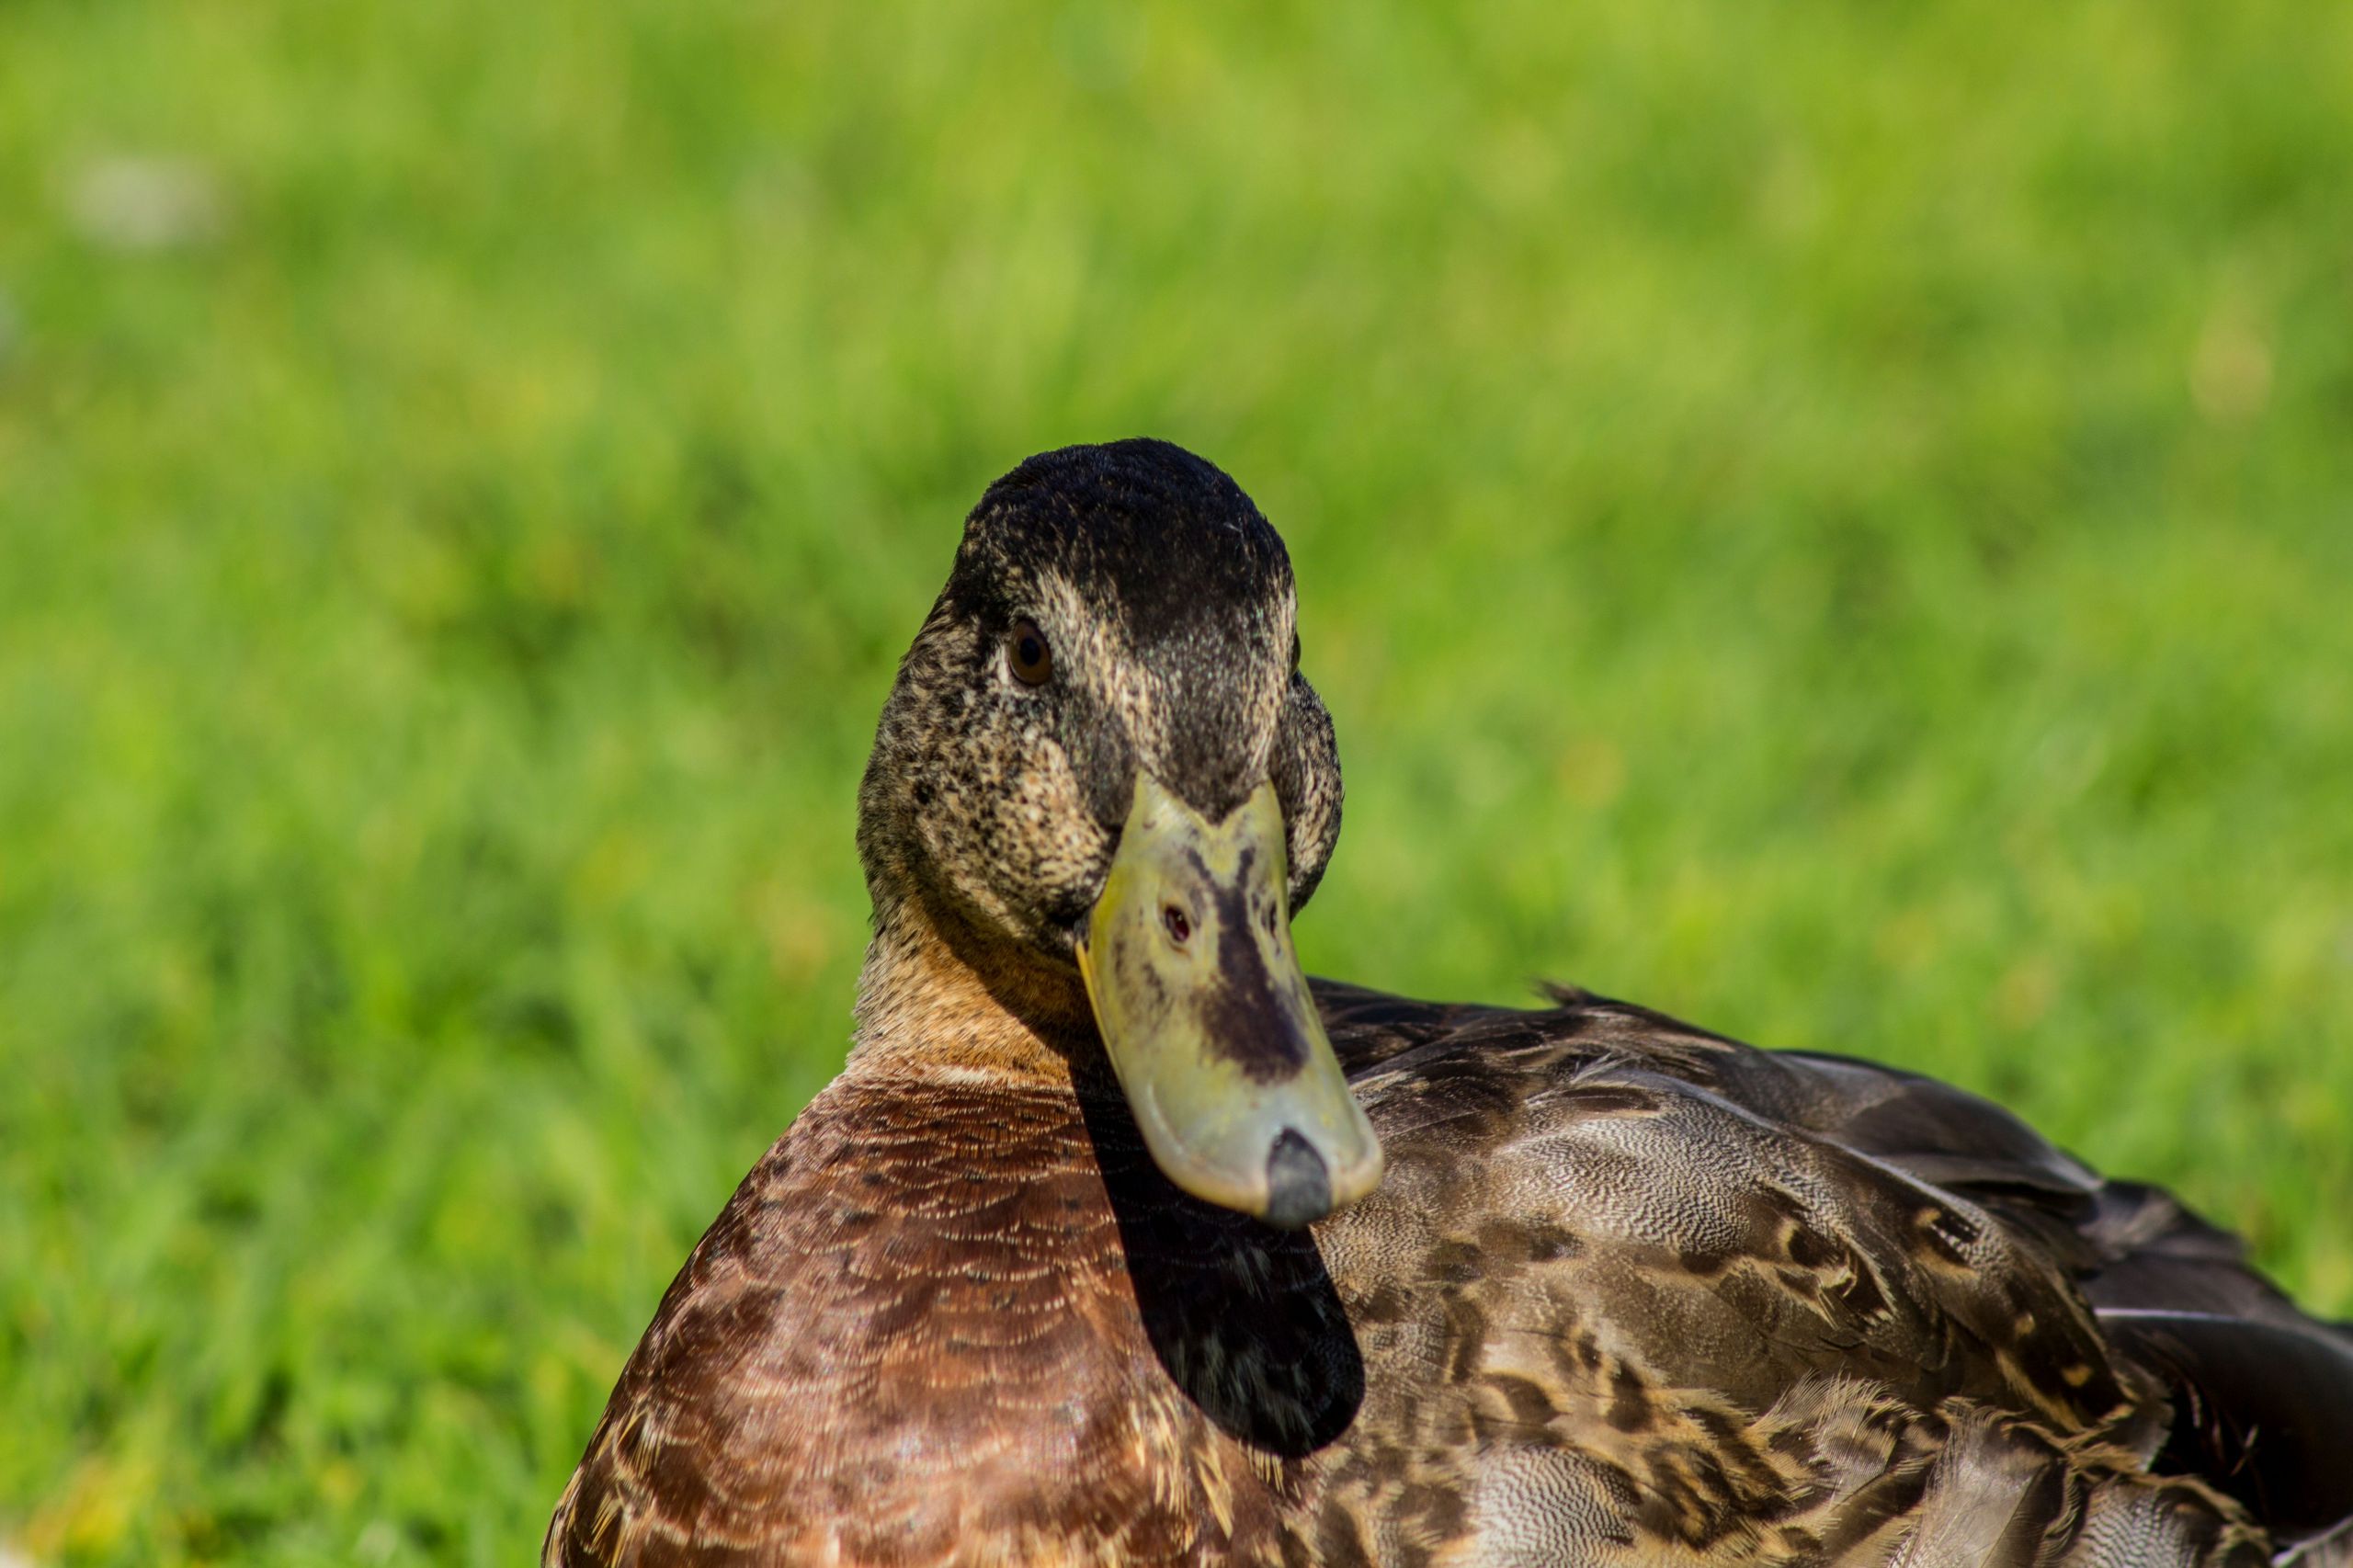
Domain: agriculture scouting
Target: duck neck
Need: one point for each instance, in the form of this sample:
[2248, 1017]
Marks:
[938, 996]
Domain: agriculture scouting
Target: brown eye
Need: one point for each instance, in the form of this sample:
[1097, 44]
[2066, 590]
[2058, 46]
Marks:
[1026, 651]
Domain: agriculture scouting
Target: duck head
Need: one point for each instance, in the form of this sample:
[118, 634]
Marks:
[1101, 768]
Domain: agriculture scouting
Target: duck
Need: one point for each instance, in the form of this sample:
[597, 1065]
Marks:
[1120, 1241]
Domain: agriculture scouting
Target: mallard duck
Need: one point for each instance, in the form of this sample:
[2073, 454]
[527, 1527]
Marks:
[1119, 1241]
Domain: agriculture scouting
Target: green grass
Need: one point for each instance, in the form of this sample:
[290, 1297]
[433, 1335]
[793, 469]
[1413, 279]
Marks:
[1835, 520]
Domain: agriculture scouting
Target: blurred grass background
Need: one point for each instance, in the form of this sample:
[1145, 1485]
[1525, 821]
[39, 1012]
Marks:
[1832, 520]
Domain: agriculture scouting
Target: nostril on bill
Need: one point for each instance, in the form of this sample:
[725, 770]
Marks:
[1299, 1186]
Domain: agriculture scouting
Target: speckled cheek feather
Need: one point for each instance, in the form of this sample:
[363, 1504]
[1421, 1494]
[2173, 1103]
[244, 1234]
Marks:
[1305, 767]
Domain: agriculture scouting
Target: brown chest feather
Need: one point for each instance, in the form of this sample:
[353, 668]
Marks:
[923, 1331]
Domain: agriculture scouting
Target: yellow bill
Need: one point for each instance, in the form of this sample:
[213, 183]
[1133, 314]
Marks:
[1207, 1018]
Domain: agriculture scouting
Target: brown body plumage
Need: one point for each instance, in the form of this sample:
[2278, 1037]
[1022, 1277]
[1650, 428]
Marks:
[1630, 1293]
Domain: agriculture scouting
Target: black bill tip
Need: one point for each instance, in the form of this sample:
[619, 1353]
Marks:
[1299, 1186]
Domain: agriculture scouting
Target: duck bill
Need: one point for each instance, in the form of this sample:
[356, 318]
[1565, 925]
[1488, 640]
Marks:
[1207, 1018]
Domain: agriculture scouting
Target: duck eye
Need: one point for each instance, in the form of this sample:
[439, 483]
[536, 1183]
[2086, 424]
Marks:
[1294, 653]
[1026, 651]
